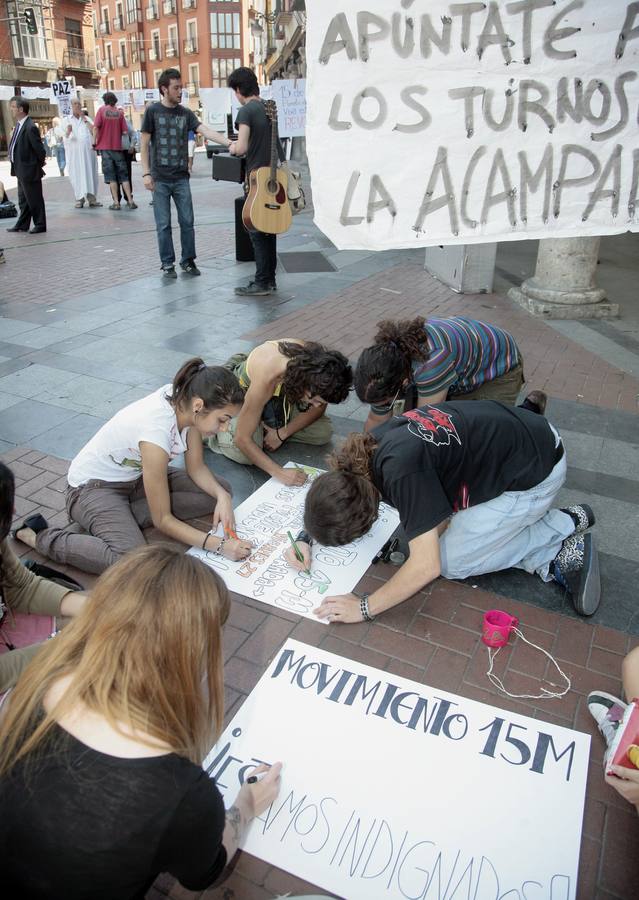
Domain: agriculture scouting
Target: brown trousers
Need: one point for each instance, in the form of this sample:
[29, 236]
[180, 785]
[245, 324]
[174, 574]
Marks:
[107, 519]
[505, 388]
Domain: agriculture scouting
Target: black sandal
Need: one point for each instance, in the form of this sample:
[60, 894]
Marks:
[36, 523]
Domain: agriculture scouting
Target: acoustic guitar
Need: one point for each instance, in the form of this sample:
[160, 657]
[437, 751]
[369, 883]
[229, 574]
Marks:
[266, 207]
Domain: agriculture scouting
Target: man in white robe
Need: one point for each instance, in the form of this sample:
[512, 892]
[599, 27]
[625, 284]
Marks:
[82, 163]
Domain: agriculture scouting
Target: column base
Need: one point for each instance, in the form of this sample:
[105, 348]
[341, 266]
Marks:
[549, 304]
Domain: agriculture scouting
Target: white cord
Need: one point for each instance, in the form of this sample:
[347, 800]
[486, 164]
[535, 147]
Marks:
[545, 694]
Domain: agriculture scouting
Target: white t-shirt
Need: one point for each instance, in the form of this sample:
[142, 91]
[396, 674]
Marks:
[113, 454]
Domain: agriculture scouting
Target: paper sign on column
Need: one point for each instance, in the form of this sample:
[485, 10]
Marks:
[393, 790]
[265, 518]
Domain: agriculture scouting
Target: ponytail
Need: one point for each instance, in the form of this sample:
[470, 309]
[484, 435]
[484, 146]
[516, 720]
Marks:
[382, 368]
[342, 505]
[214, 385]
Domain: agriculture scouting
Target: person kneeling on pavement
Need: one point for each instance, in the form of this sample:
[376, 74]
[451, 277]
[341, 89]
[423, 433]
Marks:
[473, 484]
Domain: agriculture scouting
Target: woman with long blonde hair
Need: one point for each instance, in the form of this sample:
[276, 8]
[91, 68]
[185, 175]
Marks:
[101, 742]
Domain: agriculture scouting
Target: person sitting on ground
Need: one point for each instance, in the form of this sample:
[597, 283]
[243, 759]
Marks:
[23, 592]
[288, 384]
[428, 361]
[473, 484]
[608, 711]
[121, 481]
[102, 742]
[108, 127]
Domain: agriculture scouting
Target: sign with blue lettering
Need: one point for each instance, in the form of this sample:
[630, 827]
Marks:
[434, 122]
[393, 790]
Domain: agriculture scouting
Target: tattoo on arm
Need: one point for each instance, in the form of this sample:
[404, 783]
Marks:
[234, 820]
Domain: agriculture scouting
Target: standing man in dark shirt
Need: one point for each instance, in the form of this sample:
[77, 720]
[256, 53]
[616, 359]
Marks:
[165, 130]
[254, 141]
[473, 484]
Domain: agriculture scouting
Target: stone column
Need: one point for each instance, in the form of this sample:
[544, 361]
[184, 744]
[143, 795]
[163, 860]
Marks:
[564, 285]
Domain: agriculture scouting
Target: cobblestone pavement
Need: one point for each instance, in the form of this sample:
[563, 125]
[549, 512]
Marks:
[86, 325]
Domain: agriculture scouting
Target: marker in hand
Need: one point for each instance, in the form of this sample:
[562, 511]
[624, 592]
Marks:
[298, 553]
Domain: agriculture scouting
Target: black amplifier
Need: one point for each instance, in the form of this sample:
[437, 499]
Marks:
[229, 168]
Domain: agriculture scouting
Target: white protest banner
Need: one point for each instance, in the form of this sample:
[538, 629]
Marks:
[124, 97]
[265, 518]
[290, 96]
[61, 94]
[151, 95]
[392, 790]
[35, 93]
[137, 96]
[434, 123]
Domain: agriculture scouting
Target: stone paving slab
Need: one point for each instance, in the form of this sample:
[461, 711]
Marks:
[434, 639]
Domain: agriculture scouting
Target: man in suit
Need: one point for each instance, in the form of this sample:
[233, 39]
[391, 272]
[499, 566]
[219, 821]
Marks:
[27, 155]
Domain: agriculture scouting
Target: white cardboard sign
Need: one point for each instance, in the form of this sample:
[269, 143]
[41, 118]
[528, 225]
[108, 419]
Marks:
[62, 94]
[265, 518]
[290, 96]
[435, 123]
[393, 790]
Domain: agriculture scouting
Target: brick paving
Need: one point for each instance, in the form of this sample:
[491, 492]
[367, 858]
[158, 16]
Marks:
[433, 638]
[553, 363]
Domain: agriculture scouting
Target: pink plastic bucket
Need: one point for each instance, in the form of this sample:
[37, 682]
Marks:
[497, 627]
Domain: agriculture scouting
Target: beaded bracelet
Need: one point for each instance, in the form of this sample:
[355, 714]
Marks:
[218, 549]
[363, 608]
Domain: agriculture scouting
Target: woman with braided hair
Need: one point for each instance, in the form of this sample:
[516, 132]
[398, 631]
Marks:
[122, 481]
[473, 484]
[427, 361]
[288, 385]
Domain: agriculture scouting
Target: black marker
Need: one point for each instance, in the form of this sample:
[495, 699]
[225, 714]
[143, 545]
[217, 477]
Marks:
[381, 553]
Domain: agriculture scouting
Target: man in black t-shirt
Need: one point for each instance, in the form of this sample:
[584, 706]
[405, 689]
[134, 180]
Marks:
[165, 166]
[254, 141]
[473, 484]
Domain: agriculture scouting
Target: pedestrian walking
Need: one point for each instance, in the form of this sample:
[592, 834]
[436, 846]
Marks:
[165, 169]
[473, 484]
[108, 128]
[82, 162]
[254, 141]
[129, 146]
[27, 156]
[55, 140]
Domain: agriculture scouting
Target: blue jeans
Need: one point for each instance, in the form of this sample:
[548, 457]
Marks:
[517, 529]
[181, 193]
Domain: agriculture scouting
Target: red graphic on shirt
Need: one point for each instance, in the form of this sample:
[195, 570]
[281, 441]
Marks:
[432, 425]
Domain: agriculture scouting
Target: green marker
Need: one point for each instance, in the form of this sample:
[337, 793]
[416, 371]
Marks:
[298, 553]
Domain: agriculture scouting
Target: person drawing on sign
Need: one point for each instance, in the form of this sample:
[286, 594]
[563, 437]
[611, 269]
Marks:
[427, 361]
[23, 592]
[121, 481]
[103, 738]
[288, 384]
[254, 141]
[608, 711]
[473, 484]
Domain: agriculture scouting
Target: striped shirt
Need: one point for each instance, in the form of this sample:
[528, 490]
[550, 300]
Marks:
[463, 354]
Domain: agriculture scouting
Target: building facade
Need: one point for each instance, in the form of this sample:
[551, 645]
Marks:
[64, 47]
[136, 41]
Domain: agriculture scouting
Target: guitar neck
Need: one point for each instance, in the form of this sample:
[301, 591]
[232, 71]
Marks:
[274, 154]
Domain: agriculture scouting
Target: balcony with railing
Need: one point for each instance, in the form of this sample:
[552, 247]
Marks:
[171, 50]
[189, 4]
[118, 23]
[104, 28]
[72, 58]
[133, 16]
[190, 46]
[137, 56]
[155, 54]
[168, 7]
[152, 12]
